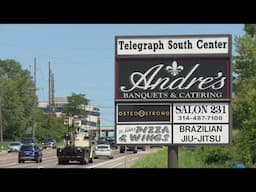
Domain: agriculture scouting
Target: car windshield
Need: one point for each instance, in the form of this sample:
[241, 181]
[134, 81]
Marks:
[49, 140]
[14, 144]
[102, 146]
[27, 148]
[27, 140]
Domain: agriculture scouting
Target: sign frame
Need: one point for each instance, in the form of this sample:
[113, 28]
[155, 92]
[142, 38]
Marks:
[173, 55]
[229, 54]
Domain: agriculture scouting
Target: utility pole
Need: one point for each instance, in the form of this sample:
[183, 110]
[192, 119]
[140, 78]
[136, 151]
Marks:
[52, 111]
[1, 118]
[52, 95]
[34, 103]
[50, 103]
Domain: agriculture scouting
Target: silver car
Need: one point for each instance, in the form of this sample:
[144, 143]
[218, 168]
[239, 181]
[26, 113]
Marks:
[103, 150]
[14, 146]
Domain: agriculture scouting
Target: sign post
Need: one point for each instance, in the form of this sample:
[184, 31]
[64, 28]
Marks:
[173, 90]
[173, 156]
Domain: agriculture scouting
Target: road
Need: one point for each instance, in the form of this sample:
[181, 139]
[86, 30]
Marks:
[120, 160]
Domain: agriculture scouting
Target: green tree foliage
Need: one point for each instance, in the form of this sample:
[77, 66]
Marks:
[216, 154]
[56, 128]
[244, 105]
[17, 88]
[74, 106]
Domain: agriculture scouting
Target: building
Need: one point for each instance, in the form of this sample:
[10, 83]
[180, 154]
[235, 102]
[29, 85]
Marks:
[90, 123]
[107, 131]
[59, 104]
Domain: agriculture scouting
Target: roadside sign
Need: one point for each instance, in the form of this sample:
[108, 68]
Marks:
[173, 90]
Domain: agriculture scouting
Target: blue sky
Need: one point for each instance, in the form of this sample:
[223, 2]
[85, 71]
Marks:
[82, 55]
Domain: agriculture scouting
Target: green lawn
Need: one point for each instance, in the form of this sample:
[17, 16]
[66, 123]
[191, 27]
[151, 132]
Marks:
[186, 158]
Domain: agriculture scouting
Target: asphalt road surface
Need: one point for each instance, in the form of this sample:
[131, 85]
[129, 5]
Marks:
[120, 160]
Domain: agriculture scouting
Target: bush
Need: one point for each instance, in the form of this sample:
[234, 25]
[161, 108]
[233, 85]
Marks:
[216, 154]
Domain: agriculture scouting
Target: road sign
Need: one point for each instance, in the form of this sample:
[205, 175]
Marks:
[173, 89]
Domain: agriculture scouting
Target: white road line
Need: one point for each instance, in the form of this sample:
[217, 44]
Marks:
[116, 165]
[103, 163]
[135, 158]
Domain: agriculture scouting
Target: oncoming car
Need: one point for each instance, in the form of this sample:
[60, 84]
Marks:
[30, 152]
[103, 150]
[49, 143]
[132, 148]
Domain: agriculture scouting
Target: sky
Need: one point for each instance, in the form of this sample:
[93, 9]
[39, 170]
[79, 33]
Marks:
[82, 56]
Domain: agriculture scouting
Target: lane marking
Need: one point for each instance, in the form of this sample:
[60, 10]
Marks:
[116, 165]
[106, 162]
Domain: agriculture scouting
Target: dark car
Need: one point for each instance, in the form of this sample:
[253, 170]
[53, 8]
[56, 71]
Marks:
[111, 142]
[49, 143]
[142, 147]
[102, 140]
[30, 152]
[190, 147]
[128, 148]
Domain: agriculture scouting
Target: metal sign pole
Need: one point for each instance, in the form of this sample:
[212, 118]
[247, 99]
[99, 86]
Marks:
[173, 156]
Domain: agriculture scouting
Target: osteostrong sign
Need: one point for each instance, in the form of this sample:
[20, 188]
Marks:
[180, 84]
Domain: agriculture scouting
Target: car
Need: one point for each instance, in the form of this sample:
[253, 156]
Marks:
[14, 146]
[112, 142]
[142, 147]
[152, 146]
[30, 152]
[102, 140]
[128, 148]
[190, 147]
[49, 143]
[103, 150]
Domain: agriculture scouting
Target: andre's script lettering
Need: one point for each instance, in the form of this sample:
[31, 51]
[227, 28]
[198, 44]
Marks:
[150, 80]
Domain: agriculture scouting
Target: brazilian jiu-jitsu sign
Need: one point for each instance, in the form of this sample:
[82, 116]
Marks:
[191, 73]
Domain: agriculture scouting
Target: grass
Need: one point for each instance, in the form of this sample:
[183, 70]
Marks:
[4, 145]
[153, 160]
[186, 158]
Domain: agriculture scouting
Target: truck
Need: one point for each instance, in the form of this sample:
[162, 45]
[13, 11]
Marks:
[78, 146]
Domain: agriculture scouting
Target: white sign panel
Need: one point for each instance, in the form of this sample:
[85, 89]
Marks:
[173, 45]
[144, 134]
[201, 134]
[201, 113]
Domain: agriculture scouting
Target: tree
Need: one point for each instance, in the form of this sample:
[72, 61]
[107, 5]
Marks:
[244, 105]
[16, 96]
[75, 105]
